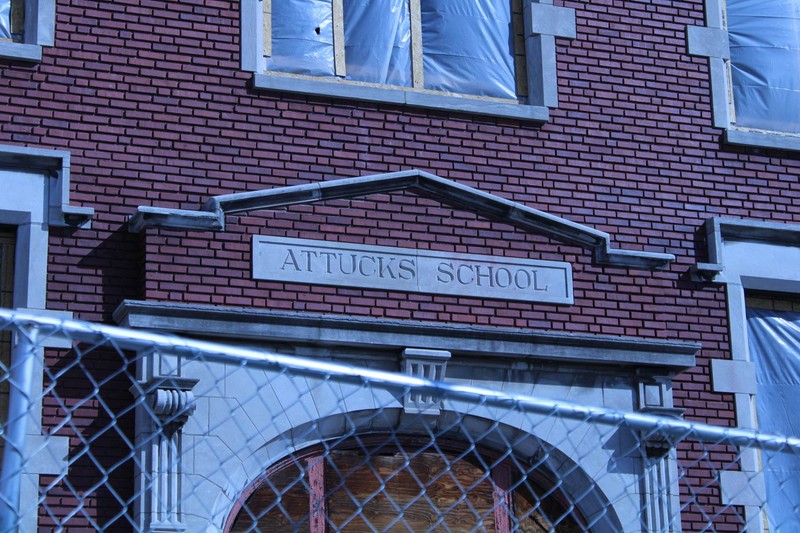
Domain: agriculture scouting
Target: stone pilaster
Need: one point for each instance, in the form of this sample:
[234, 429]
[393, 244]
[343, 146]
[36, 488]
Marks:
[166, 405]
[659, 481]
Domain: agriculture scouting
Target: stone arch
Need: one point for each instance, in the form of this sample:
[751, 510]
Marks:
[566, 474]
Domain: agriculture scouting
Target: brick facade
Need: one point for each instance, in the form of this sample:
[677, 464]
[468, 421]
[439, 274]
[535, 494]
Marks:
[149, 99]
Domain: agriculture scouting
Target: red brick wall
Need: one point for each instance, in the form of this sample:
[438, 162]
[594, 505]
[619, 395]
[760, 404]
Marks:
[148, 98]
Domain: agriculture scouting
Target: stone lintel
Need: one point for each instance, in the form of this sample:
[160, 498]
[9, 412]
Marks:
[721, 229]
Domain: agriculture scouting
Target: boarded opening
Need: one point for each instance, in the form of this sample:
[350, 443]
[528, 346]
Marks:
[392, 488]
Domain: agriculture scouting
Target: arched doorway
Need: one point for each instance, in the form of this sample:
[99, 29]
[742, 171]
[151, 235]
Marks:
[382, 485]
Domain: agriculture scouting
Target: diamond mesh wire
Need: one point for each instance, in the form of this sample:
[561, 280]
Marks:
[110, 429]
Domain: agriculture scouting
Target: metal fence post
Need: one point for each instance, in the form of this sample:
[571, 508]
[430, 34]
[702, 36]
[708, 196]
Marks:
[23, 357]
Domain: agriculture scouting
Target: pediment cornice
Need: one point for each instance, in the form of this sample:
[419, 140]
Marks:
[492, 207]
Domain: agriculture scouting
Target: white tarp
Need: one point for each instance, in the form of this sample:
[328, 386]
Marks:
[5, 19]
[377, 40]
[468, 47]
[765, 63]
[775, 349]
[302, 37]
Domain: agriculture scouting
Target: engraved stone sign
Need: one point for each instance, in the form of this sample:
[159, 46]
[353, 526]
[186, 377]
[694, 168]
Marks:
[410, 270]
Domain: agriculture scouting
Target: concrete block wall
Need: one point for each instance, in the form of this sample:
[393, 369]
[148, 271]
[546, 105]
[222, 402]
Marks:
[149, 99]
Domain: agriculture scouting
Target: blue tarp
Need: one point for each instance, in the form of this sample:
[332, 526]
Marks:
[302, 37]
[764, 38]
[468, 47]
[377, 40]
[774, 339]
[5, 19]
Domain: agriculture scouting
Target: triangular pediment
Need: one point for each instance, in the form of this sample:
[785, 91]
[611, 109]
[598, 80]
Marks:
[448, 192]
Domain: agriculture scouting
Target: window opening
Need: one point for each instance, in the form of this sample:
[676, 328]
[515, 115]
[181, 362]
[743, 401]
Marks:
[395, 488]
[764, 37]
[773, 326]
[8, 237]
[11, 20]
[449, 46]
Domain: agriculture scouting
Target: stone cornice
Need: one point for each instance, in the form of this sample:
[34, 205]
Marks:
[379, 334]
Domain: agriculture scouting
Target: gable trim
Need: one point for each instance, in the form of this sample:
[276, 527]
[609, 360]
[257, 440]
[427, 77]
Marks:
[450, 193]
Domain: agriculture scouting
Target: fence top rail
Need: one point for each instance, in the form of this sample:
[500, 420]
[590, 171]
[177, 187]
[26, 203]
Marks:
[36, 327]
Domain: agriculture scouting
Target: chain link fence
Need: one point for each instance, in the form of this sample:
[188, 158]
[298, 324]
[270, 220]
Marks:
[110, 429]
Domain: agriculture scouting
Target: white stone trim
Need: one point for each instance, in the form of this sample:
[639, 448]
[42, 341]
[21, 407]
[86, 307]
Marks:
[39, 31]
[711, 41]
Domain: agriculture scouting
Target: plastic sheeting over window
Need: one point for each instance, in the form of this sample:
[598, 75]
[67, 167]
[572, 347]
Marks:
[302, 37]
[377, 38]
[775, 349]
[765, 63]
[5, 19]
[468, 47]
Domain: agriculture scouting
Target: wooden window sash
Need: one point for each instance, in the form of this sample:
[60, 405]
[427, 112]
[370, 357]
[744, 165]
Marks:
[317, 506]
[417, 71]
[339, 66]
[501, 477]
[17, 17]
[503, 504]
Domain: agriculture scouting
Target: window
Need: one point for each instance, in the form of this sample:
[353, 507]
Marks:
[754, 51]
[774, 341]
[35, 198]
[454, 47]
[754, 259]
[490, 56]
[764, 38]
[11, 20]
[8, 237]
[383, 488]
[26, 26]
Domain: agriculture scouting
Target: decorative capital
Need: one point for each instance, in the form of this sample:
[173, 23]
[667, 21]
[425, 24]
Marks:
[172, 406]
[657, 445]
[171, 399]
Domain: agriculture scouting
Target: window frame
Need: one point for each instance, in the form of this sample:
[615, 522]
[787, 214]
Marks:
[712, 41]
[37, 199]
[38, 31]
[542, 23]
[498, 472]
[747, 256]
[8, 243]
